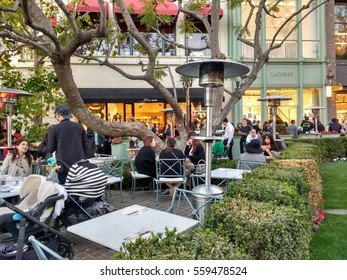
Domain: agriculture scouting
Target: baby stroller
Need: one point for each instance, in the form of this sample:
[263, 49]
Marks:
[85, 185]
[31, 218]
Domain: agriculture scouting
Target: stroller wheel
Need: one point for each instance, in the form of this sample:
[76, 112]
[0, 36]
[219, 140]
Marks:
[65, 249]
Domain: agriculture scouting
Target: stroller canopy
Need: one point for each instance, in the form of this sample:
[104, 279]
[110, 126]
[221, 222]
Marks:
[85, 179]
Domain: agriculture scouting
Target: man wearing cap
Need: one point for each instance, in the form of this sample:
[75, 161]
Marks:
[254, 154]
[68, 139]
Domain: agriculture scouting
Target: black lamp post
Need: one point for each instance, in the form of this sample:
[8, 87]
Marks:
[211, 74]
[9, 97]
[274, 101]
[315, 111]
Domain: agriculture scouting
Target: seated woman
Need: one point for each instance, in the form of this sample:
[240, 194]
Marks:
[194, 150]
[270, 147]
[171, 152]
[145, 158]
[19, 162]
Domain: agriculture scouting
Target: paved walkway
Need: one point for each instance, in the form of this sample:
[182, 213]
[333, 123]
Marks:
[88, 250]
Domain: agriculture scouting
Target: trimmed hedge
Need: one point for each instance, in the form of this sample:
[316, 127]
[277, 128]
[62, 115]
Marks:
[202, 244]
[273, 171]
[268, 190]
[264, 230]
[314, 179]
[327, 148]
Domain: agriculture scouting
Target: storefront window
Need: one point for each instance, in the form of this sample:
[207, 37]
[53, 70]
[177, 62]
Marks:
[251, 106]
[198, 41]
[310, 39]
[341, 30]
[287, 111]
[129, 46]
[288, 49]
[341, 106]
[310, 98]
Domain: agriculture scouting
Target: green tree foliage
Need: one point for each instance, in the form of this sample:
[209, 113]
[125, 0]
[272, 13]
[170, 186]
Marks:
[29, 112]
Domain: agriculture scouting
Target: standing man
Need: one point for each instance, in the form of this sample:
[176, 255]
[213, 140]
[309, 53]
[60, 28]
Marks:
[68, 140]
[229, 135]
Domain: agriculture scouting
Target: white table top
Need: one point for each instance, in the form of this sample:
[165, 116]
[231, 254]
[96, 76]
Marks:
[125, 225]
[224, 173]
[14, 192]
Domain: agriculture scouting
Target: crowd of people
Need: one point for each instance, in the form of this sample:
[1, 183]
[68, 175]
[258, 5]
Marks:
[70, 142]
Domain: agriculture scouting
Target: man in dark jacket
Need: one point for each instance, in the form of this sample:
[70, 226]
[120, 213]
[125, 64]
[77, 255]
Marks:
[68, 140]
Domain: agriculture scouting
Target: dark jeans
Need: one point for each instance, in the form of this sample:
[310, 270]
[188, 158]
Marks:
[242, 145]
[230, 151]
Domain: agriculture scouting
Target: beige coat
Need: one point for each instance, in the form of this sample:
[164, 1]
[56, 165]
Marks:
[19, 167]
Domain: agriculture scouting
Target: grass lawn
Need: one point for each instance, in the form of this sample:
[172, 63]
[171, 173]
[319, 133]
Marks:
[334, 185]
[330, 242]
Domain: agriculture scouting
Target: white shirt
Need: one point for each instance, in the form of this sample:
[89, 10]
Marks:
[229, 132]
[250, 138]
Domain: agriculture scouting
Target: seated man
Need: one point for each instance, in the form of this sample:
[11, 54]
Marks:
[254, 154]
[252, 135]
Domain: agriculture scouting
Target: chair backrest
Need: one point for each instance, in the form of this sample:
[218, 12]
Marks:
[113, 167]
[171, 168]
[248, 164]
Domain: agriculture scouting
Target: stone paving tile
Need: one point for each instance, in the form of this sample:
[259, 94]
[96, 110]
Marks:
[87, 250]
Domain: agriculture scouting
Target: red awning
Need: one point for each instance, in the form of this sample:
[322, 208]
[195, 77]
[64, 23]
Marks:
[91, 6]
[166, 8]
[207, 11]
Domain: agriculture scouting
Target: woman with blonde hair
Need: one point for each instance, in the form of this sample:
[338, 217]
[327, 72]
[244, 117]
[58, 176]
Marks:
[19, 162]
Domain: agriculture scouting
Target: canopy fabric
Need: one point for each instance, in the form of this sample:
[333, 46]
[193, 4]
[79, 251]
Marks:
[207, 10]
[137, 6]
[85, 6]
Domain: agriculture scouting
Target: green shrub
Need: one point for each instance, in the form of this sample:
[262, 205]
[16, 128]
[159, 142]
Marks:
[301, 150]
[201, 244]
[223, 163]
[267, 190]
[272, 171]
[264, 230]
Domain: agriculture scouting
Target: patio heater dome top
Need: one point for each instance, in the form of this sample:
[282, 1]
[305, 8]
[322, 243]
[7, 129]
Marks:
[16, 92]
[315, 108]
[274, 97]
[231, 68]
[167, 110]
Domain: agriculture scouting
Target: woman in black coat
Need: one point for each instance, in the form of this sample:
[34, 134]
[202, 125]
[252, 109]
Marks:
[145, 158]
[194, 150]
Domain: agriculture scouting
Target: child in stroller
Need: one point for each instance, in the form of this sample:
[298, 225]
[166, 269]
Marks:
[31, 217]
[85, 185]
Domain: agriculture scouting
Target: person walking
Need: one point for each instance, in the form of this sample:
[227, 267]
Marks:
[68, 140]
[229, 135]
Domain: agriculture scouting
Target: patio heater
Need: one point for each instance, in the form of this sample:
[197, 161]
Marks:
[274, 101]
[211, 74]
[170, 111]
[315, 111]
[9, 97]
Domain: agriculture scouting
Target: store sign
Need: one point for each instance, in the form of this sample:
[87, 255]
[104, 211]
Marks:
[282, 74]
